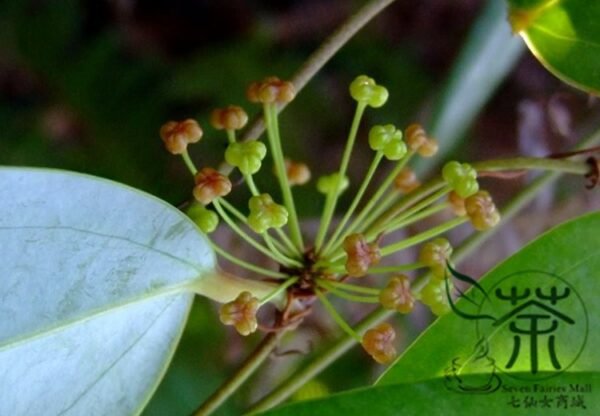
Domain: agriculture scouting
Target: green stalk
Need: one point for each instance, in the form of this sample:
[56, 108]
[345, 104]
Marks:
[291, 250]
[277, 154]
[424, 236]
[333, 197]
[407, 220]
[398, 222]
[260, 354]
[352, 288]
[249, 239]
[531, 163]
[282, 287]
[368, 177]
[358, 221]
[189, 163]
[249, 266]
[387, 202]
[405, 202]
[236, 213]
[397, 269]
[345, 295]
[336, 316]
[231, 136]
[251, 185]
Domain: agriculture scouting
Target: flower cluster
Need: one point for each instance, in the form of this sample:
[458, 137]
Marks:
[342, 250]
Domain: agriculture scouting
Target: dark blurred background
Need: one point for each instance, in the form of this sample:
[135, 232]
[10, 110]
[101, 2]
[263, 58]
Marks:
[85, 86]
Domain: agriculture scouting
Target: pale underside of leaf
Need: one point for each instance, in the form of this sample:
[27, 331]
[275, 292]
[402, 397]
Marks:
[95, 291]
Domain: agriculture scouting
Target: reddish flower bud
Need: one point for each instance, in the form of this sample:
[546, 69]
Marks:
[210, 185]
[377, 342]
[482, 211]
[360, 255]
[457, 204]
[298, 173]
[228, 118]
[415, 136]
[406, 181]
[178, 134]
[241, 313]
[271, 90]
[397, 295]
[429, 148]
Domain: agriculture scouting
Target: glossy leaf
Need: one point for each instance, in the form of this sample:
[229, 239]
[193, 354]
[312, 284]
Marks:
[564, 35]
[570, 251]
[446, 370]
[94, 288]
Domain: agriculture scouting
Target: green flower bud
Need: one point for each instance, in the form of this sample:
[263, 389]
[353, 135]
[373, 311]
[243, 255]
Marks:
[204, 218]
[434, 255]
[364, 89]
[434, 295]
[265, 214]
[462, 178]
[331, 183]
[247, 156]
[387, 139]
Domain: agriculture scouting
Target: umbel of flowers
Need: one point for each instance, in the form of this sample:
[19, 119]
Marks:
[341, 254]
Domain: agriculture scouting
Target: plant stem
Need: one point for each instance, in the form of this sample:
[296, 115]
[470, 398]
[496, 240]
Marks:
[354, 288]
[251, 185]
[336, 316]
[189, 163]
[424, 236]
[405, 202]
[292, 251]
[223, 287]
[345, 295]
[399, 221]
[250, 240]
[332, 198]
[249, 266]
[324, 53]
[529, 163]
[340, 227]
[358, 222]
[231, 136]
[406, 220]
[282, 287]
[286, 191]
[301, 377]
[260, 354]
[397, 269]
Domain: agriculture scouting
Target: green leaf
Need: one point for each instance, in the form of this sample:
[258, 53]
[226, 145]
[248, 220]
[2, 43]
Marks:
[570, 251]
[565, 36]
[448, 367]
[436, 397]
[94, 289]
